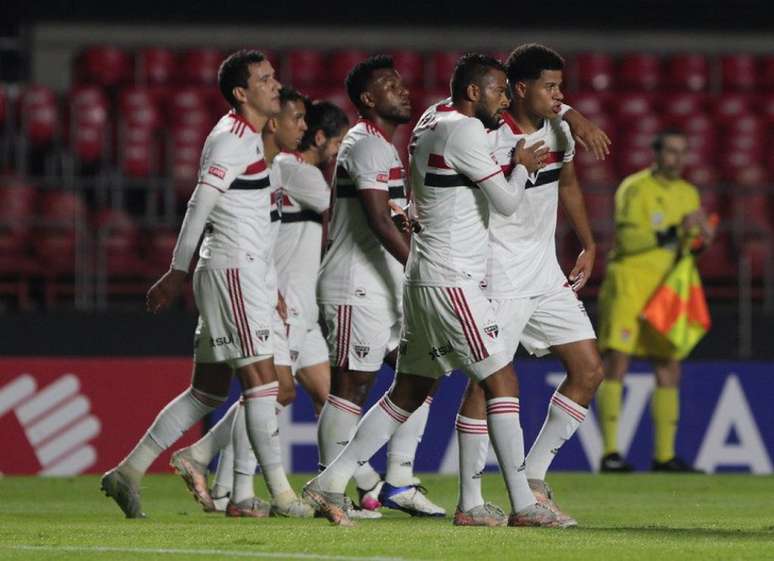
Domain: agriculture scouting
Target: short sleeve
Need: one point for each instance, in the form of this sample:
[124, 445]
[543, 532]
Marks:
[468, 151]
[369, 164]
[566, 141]
[307, 186]
[222, 161]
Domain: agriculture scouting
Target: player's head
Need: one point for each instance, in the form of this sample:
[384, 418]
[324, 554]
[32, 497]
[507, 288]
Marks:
[480, 80]
[246, 78]
[289, 126]
[670, 147]
[535, 77]
[326, 126]
[375, 87]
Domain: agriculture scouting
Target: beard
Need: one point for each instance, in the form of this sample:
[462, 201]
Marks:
[489, 120]
[397, 116]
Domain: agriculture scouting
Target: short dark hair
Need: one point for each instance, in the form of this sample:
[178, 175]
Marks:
[322, 116]
[526, 62]
[289, 93]
[658, 140]
[357, 79]
[470, 69]
[234, 72]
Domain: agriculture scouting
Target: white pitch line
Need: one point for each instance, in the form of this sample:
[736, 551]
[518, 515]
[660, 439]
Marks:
[208, 552]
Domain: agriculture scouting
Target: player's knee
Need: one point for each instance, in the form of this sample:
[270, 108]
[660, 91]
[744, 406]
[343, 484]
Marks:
[352, 386]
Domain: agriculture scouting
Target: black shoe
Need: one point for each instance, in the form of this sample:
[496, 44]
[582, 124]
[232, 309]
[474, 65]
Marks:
[675, 465]
[614, 463]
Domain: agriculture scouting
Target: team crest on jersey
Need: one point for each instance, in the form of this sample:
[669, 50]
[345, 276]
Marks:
[217, 171]
[626, 334]
[492, 330]
[382, 178]
[262, 335]
[657, 218]
[294, 356]
[362, 350]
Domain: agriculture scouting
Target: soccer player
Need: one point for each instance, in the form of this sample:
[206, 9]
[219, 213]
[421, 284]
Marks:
[230, 208]
[448, 321]
[536, 304]
[657, 214]
[360, 284]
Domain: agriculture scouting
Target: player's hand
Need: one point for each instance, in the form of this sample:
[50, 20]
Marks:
[165, 291]
[584, 264]
[282, 307]
[531, 157]
[590, 136]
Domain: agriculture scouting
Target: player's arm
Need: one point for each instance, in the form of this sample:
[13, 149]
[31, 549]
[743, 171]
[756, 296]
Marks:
[376, 204]
[571, 199]
[586, 133]
[308, 188]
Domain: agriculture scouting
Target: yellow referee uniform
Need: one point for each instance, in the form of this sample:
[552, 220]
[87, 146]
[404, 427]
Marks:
[649, 211]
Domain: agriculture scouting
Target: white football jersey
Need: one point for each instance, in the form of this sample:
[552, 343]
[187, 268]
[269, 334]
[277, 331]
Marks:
[356, 269]
[237, 229]
[305, 196]
[450, 155]
[275, 213]
[523, 259]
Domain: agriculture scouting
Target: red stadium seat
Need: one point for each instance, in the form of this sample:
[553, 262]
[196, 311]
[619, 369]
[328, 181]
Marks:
[589, 104]
[633, 105]
[759, 254]
[190, 107]
[592, 172]
[306, 67]
[684, 104]
[729, 107]
[17, 208]
[738, 72]
[89, 123]
[411, 66]
[200, 67]
[639, 72]
[138, 151]
[158, 247]
[340, 63]
[766, 75]
[716, 263]
[600, 206]
[337, 96]
[649, 123]
[117, 243]
[185, 147]
[138, 108]
[634, 160]
[105, 66]
[443, 63]
[594, 72]
[155, 66]
[687, 72]
[39, 115]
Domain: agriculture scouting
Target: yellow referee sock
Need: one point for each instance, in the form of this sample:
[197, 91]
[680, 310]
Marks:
[609, 408]
[665, 408]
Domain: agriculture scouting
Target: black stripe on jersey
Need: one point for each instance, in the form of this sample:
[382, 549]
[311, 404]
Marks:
[301, 216]
[349, 192]
[275, 215]
[456, 180]
[246, 184]
[544, 177]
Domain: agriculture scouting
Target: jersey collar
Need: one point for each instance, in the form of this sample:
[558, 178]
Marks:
[369, 123]
[234, 115]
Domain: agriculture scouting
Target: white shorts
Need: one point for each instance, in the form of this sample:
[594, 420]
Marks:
[359, 337]
[235, 315]
[281, 348]
[450, 327]
[298, 347]
[540, 322]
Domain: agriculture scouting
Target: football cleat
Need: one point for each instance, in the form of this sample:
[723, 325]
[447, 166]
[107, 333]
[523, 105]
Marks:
[332, 506]
[289, 505]
[369, 498]
[249, 508]
[487, 514]
[124, 492]
[535, 515]
[194, 475]
[675, 465]
[545, 496]
[410, 499]
[614, 463]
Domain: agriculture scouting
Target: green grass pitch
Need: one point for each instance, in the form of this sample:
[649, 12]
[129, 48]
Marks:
[622, 518]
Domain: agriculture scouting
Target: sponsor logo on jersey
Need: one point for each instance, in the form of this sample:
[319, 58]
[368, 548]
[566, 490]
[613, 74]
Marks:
[438, 352]
[362, 350]
[217, 171]
[483, 284]
[294, 356]
[361, 292]
[220, 341]
[262, 335]
[492, 330]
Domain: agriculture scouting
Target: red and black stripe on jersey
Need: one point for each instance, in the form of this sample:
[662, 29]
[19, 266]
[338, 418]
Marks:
[246, 182]
[442, 174]
[345, 186]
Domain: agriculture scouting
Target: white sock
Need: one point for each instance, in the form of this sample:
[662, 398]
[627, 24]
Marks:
[563, 419]
[264, 435]
[337, 423]
[171, 423]
[373, 432]
[224, 475]
[473, 440]
[502, 416]
[402, 448]
[217, 438]
[244, 460]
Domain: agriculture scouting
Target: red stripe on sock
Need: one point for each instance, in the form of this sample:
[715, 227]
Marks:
[568, 409]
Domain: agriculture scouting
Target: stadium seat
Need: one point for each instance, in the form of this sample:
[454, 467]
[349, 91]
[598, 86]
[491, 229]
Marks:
[738, 72]
[138, 151]
[339, 97]
[306, 68]
[729, 107]
[184, 150]
[594, 72]
[600, 206]
[340, 63]
[633, 105]
[158, 246]
[39, 114]
[190, 107]
[705, 177]
[199, 67]
[759, 254]
[117, 243]
[88, 123]
[105, 66]
[155, 66]
[639, 72]
[687, 72]
[17, 267]
[634, 160]
[715, 262]
[683, 104]
[411, 66]
[137, 107]
[766, 73]
[442, 66]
